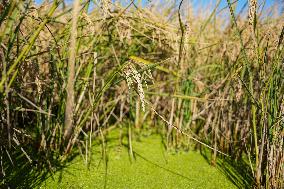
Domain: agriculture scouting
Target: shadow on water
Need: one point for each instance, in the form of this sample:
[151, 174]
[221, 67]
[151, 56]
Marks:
[237, 171]
[21, 173]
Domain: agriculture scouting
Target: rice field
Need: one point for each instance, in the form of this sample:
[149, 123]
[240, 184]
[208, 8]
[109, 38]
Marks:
[170, 93]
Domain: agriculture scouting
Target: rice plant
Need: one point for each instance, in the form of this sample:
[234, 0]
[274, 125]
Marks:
[73, 71]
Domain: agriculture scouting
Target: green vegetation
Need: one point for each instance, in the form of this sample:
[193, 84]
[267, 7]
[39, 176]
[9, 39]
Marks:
[70, 72]
[153, 167]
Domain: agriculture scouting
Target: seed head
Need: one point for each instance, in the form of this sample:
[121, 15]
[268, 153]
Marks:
[252, 11]
[133, 76]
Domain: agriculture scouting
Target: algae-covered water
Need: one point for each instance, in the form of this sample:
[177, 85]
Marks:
[152, 167]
